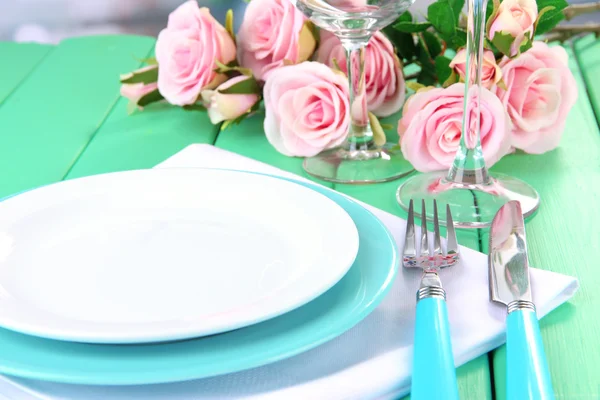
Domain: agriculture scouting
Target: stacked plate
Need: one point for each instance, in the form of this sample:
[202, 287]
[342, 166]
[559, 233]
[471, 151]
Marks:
[167, 275]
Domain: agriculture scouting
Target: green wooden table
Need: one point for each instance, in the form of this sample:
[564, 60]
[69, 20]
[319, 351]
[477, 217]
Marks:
[61, 117]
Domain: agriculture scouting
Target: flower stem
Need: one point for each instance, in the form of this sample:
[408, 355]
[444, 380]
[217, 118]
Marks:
[360, 136]
[469, 164]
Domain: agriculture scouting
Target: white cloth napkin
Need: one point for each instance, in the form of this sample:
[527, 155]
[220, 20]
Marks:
[370, 361]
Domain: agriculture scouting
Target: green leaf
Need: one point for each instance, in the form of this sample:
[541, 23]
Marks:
[404, 43]
[452, 79]
[488, 45]
[414, 85]
[442, 68]
[441, 15]
[425, 59]
[194, 107]
[411, 27]
[503, 42]
[229, 23]
[149, 60]
[406, 47]
[427, 75]
[247, 86]
[525, 45]
[434, 46]
[457, 7]
[235, 121]
[405, 17]
[231, 67]
[491, 12]
[459, 40]
[540, 15]
[502, 85]
[314, 30]
[151, 97]
[225, 125]
[549, 18]
[147, 76]
[426, 78]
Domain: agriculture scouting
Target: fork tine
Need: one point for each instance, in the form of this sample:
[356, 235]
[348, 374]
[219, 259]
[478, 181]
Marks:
[409, 253]
[424, 242]
[437, 241]
[452, 249]
[410, 226]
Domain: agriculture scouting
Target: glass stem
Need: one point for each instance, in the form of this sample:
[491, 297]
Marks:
[360, 136]
[469, 163]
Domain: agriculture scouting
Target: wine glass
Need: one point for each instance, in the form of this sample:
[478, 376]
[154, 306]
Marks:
[359, 159]
[474, 195]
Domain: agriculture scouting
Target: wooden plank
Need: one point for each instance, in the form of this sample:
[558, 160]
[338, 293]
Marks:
[143, 139]
[587, 51]
[19, 59]
[563, 237]
[50, 118]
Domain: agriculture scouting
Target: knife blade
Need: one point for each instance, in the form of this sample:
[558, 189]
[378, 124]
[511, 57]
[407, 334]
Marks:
[527, 374]
[509, 269]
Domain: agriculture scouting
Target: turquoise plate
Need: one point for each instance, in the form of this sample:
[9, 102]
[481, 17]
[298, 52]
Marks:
[328, 316]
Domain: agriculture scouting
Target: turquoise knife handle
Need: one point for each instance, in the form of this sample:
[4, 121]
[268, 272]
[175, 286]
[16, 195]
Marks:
[527, 375]
[434, 374]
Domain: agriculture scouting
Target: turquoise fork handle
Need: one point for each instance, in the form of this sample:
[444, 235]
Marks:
[527, 375]
[434, 374]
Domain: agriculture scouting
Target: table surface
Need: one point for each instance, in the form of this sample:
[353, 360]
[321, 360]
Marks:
[61, 117]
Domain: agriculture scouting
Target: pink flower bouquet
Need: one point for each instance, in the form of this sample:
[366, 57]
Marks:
[281, 59]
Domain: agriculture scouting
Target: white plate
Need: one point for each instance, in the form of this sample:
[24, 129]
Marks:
[155, 255]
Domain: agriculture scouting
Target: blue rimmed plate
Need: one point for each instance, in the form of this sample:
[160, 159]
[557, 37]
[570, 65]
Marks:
[320, 320]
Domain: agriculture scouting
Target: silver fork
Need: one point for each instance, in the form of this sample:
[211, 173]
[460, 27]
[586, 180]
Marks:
[434, 374]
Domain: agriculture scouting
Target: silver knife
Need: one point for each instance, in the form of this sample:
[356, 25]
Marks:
[527, 375]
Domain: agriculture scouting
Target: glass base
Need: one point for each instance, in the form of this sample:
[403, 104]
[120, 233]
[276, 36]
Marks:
[472, 205]
[376, 164]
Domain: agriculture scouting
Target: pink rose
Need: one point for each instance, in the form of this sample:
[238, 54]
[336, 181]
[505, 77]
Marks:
[540, 93]
[515, 18]
[502, 227]
[186, 51]
[223, 107]
[273, 32]
[431, 125]
[307, 109]
[350, 5]
[135, 91]
[490, 74]
[384, 79]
